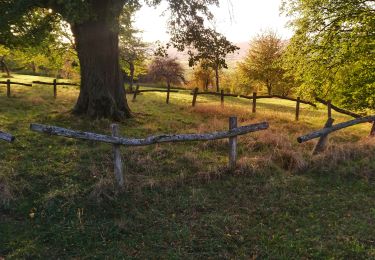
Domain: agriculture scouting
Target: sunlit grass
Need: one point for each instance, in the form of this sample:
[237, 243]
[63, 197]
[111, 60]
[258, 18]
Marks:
[58, 198]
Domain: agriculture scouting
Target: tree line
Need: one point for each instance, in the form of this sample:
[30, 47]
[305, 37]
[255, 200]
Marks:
[329, 56]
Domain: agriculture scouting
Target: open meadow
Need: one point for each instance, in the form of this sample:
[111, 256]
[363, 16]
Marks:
[58, 198]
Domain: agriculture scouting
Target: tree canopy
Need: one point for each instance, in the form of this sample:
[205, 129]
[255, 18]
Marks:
[95, 27]
[332, 51]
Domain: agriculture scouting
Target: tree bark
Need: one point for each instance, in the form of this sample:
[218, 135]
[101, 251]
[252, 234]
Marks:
[101, 93]
[217, 79]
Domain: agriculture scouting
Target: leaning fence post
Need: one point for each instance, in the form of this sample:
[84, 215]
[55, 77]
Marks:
[195, 93]
[135, 92]
[232, 143]
[297, 108]
[117, 157]
[222, 98]
[8, 88]
[321, 145]
[329, 108]
[54, 88]
[254, 102]
[372, 132]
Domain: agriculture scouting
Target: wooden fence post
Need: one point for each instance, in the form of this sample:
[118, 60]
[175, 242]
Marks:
[135, 92]
[254, 102]
[168, 90]
[297, 108]
[54, 88]
[321, 145]
[195, 93]
[222, 98]
[232, 143]
[8, 88]
[372, 132]
[118, 169]
[329, 108]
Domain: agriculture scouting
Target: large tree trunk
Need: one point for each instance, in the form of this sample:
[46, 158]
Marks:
[101, 93]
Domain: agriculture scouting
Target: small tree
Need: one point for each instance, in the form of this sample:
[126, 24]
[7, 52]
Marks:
[263, 62]
[133, 50]
[203, 75]
[167, 69]
[212, 48]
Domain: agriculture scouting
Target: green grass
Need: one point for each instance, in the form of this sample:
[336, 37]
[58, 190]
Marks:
[58, 199]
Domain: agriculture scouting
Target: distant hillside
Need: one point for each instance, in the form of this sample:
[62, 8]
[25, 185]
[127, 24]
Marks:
[232, 59]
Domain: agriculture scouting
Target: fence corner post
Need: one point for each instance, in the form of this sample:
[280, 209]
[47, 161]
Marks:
[8, 87]
[232, 143]
[222, 97]
[297, 108]
[254, 102]
[54, 88]
[195, 93]
[118, 169]
[135, 93]
[321, 145]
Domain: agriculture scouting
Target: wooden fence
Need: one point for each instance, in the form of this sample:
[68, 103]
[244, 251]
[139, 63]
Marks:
[55, 84]
[138, 91]
[254, 98]
[8, 83]
[6, 137]
[117, 141]
[322, 134]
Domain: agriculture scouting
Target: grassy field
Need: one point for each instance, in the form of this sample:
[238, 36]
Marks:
[58, 198]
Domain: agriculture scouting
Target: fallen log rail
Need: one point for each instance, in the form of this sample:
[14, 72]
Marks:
[9, 83]
[6, 137]
[329, 128]
[337, 109]
[116, 140]
[55, 84]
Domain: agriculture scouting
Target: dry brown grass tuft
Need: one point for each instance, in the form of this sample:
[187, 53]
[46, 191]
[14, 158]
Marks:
[227, 111]
[361, 155]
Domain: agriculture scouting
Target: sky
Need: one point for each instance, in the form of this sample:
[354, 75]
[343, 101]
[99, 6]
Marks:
[239, 21]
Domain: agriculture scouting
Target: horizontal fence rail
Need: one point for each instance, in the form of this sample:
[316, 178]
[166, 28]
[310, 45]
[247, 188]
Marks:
[15, 83]
[53, 83]
[6, 137]
[9, 83]
[117, 141]
[322, 134]
[252, 97]
[54, 130]
[337, 109]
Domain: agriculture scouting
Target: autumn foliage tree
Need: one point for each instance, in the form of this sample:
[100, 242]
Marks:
[166, 69]
[263, 62]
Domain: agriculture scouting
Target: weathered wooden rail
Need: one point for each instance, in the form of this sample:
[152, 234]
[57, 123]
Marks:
[254, 98]
[138, 91]
[55, 84]
[329, 128]
[116, 140]
[330, 107]
[6, 137]
[8, 83]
